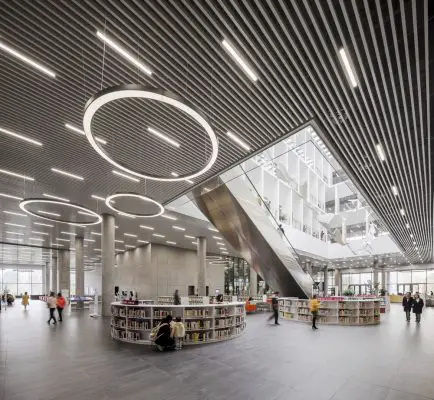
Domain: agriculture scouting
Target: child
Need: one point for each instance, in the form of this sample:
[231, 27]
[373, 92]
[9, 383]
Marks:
[178, 332]
[25, 301]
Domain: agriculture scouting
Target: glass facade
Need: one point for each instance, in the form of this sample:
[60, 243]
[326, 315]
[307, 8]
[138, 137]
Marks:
[237, 277]
[18, 281]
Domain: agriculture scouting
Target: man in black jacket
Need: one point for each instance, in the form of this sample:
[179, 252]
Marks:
[275, 307]
[407, 303]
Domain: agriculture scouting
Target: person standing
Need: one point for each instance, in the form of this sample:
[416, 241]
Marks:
[314, 308]
[407, 303]
[51, 304]
[178, 333]
[60, 304]
[25, 301]
[176, 298]
[417, 306]
[275, 308]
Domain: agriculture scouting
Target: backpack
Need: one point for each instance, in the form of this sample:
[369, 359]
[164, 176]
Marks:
[153, 336]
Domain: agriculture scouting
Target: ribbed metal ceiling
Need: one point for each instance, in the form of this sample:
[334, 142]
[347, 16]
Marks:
[292, 46]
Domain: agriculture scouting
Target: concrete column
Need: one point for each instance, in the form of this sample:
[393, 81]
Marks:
[201, 261]
[366, 222]
[79, 270]
[338, 282]
[146, 275]
[253, 282]
[326, 280]
[387, 287]
[344, 230]
[54, 281]
[64, 272]
[383, 280]
[107, 262]
[375, 281]
[337, 205]
[47, 283]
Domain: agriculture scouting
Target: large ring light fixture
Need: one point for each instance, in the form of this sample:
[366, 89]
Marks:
[133, 91]
[26, 202]
[137, 196]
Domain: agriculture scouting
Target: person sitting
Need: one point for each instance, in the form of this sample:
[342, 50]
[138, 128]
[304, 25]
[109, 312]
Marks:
[164, 339]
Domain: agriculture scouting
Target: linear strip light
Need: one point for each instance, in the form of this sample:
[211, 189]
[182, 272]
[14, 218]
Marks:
[169, 242]
[231, 50]
[168, 217]
[149, 228]
[237, 140]
[18, 136]
[118, 241]
[174, 174]
[81, 132]
[96, 233]
[6, 172]
[68, 233]
[347, 66]
[178, 228]
[9, 196]
[40, 233]
[42, 224]
[158, 235]
[130, 246]
[142, 241]
[130, 235]
[217, 238]
[380, 152]
[62, 240]
[50, 196]
[395, 190]
[94, 196]
[126, 176]
[124, 53]
[402, 211]
[221, 244]
[213, 229]
[48, 213]
[89, 240]
[189, 181]
[85, 213]
[27, 60]
[164, 137]
[15, 213]
[38, 239]
[19, 239]
[189, 237]
[56, 244]
[18, 225]
[14, 233]
[59, 171]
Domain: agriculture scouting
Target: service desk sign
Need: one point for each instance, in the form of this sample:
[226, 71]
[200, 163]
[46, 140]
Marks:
[130, 302]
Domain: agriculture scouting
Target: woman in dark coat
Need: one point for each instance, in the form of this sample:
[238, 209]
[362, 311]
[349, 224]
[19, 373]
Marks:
[407, 303]
[417, 306]
[164, 341]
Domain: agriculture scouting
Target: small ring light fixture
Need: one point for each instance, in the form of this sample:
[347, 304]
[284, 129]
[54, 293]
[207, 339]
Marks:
[26, 202]
[139, 91]
[137, 196]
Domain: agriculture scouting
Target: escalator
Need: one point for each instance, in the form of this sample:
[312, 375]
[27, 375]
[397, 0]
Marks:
[241, 216]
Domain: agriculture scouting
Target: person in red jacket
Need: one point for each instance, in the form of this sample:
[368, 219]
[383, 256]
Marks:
[60, 303]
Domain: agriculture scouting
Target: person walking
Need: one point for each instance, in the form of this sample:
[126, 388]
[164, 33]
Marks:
[314, 308]
[275, 308]
[417, 306]
[51, 304]
[407, 304]
[60, 304]
[25, 300]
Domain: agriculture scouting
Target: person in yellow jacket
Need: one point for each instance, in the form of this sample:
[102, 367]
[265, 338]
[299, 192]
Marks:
[314, 308]
[25, 300]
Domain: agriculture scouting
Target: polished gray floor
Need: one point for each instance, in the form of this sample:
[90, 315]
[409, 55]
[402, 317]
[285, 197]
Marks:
[78, 360]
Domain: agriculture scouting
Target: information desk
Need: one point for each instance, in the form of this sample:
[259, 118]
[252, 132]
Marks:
[205, 323]
[338, 312]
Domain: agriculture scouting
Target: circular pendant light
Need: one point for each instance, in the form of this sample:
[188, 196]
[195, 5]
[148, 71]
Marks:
[136, 196]
[139, 91]
[26, 202]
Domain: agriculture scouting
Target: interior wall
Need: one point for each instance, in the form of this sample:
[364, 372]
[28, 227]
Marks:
[156, 270]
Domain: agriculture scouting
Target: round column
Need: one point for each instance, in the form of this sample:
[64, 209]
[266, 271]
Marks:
[47, 283]
[79, 270]
[64, 272]
[107, 262]
[54, 281]
[253, 282]
[201, 261]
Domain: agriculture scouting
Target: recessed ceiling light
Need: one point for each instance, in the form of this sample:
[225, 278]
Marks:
[125, 54]
[18, 225]
[407, 226]
[6, 172]
[411, 235]
[347, 66]
[42, 224]
[234, 54]
[40, 233]
[189, 237]
[15, 213]
[61, 172]
[163, 137]
[158, 235]
[18, 136]
[94, 196]
[416, 248]
[380, 152]
[130, 234]
[9, 196]
[237, 140]
[48, 213]
[169, 242]
[178, 228]
[402, 211]
[149, 228]
[168, 217]
[14, 233]
[189, 181]
[68, 233]
[131, 178]
[55, 197]
[27, 60]
[414, 242]
[174, 174]
[81, 132]
[96, 233]
[395, 190]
